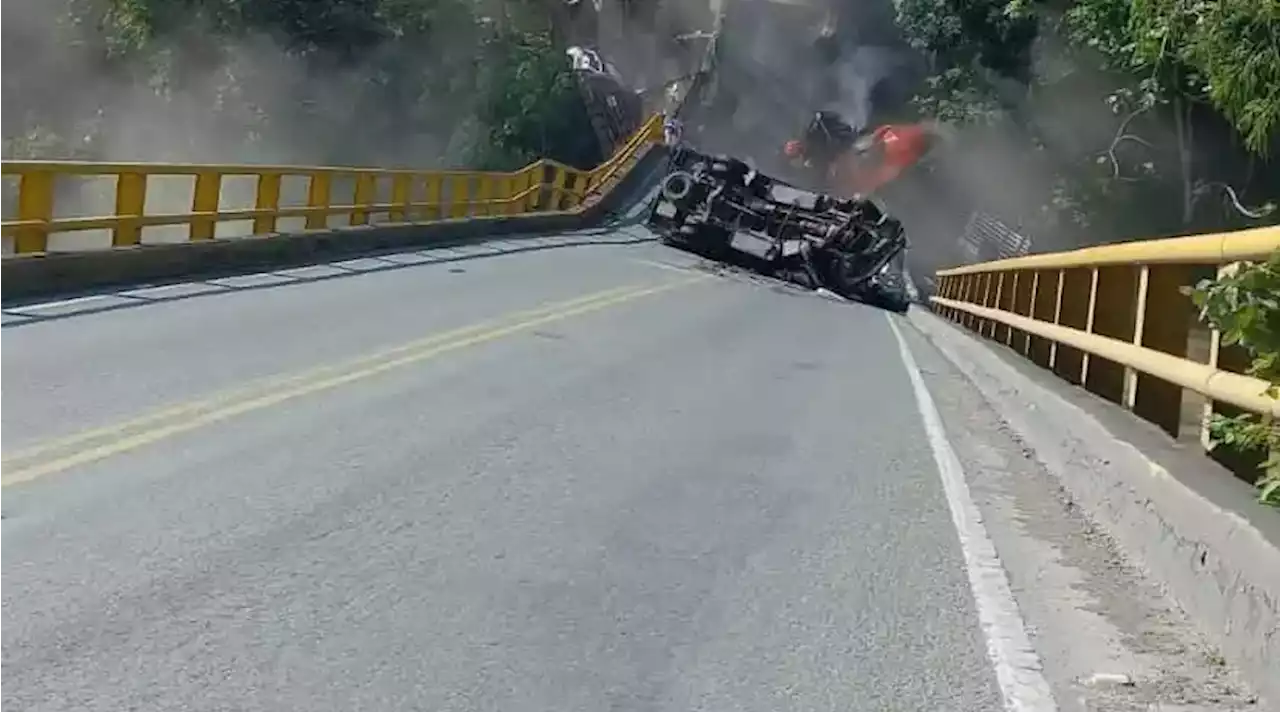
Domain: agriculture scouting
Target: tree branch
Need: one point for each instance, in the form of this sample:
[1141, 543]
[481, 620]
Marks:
[1202, 189]
[1120, 137]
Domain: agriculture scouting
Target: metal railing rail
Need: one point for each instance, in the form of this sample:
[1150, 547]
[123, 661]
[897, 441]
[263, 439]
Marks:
[415, 196]
[1116, 320]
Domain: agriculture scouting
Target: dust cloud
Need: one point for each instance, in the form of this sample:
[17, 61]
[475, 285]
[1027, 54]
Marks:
[193, 95]
[196, 95]
[771, 79]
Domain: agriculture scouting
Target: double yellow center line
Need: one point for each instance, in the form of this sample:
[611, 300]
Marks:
[92, 445]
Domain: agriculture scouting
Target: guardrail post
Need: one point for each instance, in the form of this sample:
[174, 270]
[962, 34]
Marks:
[529, 181]
[997, 300]
[365, 191]
[1008, 296]
[1166, 322]
[1114, 316]
[988, 297]
[1044, 308]
[571, 197]
[432, 190]
[1215, 351]
[35, 204]
[1024, 295]
[1139, 323]
[1032, 298]
[318, 196]
[1088, 322]
[1233, 359]
[978, 296]
[959, 291]
[520, 183]
[944, 285]
[510, 190]
[205, 200]
[558, 188]
[980, 324]
[1073, 313]
[131, 205]
[458, 205]
[401, 187]
[970, 294]
[550, 195]
[268, 198]
[1057, 316]
[484, 193]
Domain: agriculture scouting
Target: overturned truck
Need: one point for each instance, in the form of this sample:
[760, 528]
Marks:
[723, 209]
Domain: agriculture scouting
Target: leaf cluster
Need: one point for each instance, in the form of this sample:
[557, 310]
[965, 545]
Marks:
[1225, 52]
[1244, 306]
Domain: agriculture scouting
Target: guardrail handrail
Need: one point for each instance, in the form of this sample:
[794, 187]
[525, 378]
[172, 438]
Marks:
[415, 196]
[1116, 319]
[1220, 248]
[1239, 390]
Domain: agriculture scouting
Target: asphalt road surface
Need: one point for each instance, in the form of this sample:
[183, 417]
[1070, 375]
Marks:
[575, 478]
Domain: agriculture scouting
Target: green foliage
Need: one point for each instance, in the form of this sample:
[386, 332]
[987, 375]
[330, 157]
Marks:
[532, 107]
[968, 42]
[1186, 96]
[994, 34]
[1103, 26]
[1245, 308]
[1225, 51]
[1235, 45]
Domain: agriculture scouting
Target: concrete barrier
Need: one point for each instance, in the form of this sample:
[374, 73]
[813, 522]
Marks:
[1173, 511]
[60, 274]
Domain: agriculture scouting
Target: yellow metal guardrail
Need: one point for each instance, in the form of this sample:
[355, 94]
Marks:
[1115, 320]
[401, 196]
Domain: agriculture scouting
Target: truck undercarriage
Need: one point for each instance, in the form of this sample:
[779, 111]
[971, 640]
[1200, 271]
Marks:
[722, 209]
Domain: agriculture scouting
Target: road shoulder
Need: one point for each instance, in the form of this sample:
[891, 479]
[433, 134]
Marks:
[1108, 636]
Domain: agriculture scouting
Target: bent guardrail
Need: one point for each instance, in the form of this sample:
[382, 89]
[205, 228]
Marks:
[1115, 320]
[396, 196]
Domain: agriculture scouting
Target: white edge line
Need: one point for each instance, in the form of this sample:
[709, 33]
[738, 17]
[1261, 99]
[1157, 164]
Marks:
[60, 303]
[146, 292]
[1018, 668]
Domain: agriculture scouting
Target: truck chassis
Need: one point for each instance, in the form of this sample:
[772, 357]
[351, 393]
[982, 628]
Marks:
[721, 208]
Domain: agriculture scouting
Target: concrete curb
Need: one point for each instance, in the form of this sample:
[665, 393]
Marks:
[1221, 568]
[58, 274]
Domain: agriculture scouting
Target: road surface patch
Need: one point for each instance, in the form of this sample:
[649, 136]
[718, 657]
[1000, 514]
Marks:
[1018, 667]
[90, 446]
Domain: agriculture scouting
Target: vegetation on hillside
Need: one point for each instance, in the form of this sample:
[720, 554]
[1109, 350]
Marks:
[388, 82]
[1123, 119]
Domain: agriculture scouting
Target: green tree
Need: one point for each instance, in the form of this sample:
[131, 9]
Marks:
[1205, 67]
[968, 43]
[1193, 99]
[532, 107]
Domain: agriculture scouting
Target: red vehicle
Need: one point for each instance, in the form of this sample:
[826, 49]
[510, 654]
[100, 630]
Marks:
[860, 165]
